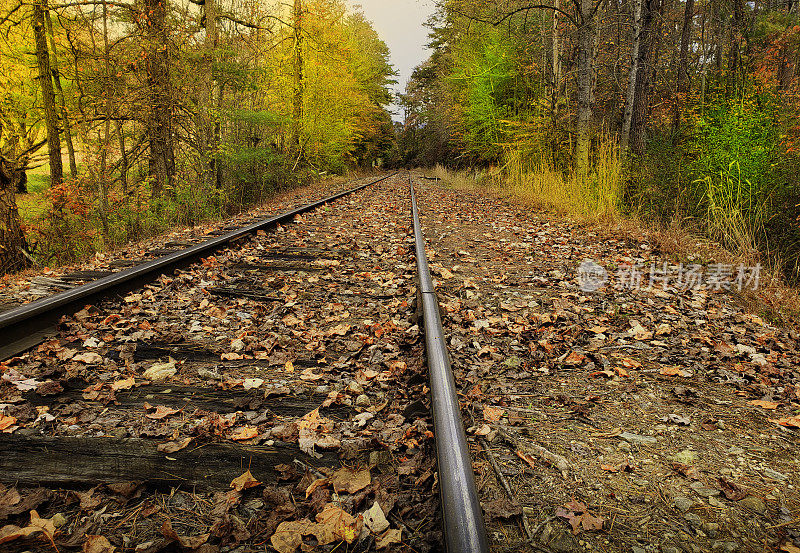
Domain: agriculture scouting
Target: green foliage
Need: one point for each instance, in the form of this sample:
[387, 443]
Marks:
[735, 148]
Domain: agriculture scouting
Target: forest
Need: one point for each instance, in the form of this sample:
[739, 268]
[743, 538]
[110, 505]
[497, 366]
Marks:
[675, 112]
[134, 117]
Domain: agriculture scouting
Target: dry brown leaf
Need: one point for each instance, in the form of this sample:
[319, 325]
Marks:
[244, 482]
[493, 414]
[244, 433]
[621, 372]
[629, 363]
[392, 535]
[764, 404]
[319, 482]
[350, 481]
[335, 524]
[610, 468]
[673, 371]
[789, 422]
[88, 357]
[124, 384]
[309, 375]
[574, 358]
[161, 412]
[231, 356]
[598, 329]
[789, 548]
[172, 447]
[686, 470]
[289, 535]
[289, 367]
[187, 542]
[97, 544]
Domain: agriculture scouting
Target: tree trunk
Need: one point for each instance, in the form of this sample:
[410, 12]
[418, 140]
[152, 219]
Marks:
[556, 50]
[159, 121]
[297, 106]
[12, 239]
[73, 164]
[48, 96]
[683, 63]
[630, 94]
[585, 75]
[641, 104]
[208, 142]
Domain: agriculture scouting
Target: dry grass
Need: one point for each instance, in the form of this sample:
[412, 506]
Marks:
[597, 203]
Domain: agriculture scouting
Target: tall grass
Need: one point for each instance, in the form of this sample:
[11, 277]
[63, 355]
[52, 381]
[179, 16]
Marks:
[596, 196]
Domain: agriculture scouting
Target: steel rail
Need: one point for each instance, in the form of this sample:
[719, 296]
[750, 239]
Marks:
[464, 530]
[25, 326]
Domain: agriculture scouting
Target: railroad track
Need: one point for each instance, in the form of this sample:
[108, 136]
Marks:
[298, 347]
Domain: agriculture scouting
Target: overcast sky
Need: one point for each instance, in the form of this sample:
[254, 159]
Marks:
[399, 22]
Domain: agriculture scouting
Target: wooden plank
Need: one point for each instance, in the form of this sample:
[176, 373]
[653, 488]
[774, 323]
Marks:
[69, 461]
[191, 397]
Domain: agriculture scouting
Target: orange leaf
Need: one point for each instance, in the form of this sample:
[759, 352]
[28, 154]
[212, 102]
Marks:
[790, 422]
[7, 422]
[244, 433]
[527, 458]
[764, 404]
[244, 482]
[493, 414]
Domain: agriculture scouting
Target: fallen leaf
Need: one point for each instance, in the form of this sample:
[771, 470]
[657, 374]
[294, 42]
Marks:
[574, 358]
[124, 384]
[493, 414]
[97, 544]
[502, 507]
[731, 490]
[631, 363]
[230, 356]
[318, 483]
[252, 383]
[579, 517]
[172, 447]
[289, 535]
[334, 523]
[764, 404]
[7, 422]
[374, 519]
[187, 542]
[160, 371]
[686, 470]
[244, 482]
[88, 357]
[598, 329]
[350, 481]
[789, 422]
[393, 535]
[244, 433]
[161, 412]
[610, 468]
[309, 375]
[789, 548]
[674, 371]
[289, 367]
